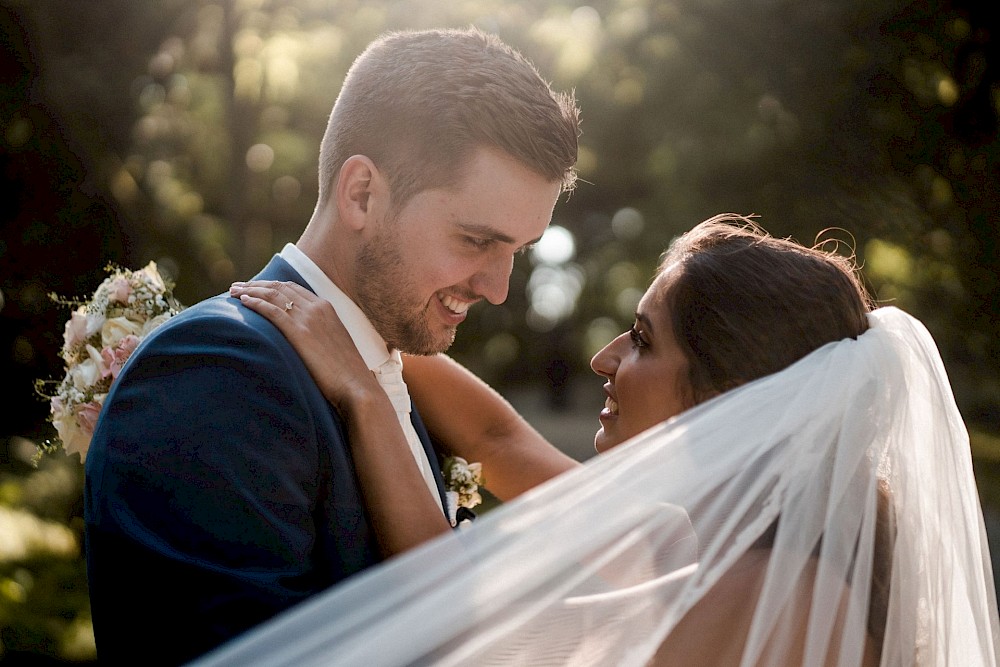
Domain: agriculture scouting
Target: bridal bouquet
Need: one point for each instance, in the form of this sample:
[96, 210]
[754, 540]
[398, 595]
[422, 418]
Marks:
[100, 336]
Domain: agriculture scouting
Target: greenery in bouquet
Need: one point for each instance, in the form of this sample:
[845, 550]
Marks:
[99, 337]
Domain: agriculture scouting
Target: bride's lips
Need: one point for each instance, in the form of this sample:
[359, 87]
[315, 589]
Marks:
[610, 410]
[452, 309]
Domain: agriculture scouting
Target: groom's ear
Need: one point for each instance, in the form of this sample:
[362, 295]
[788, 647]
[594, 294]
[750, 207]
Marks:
[361, 192]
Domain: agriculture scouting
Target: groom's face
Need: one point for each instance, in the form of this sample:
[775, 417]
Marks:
[448, 248]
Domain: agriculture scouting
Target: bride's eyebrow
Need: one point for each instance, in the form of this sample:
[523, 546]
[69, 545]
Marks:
[647, 324]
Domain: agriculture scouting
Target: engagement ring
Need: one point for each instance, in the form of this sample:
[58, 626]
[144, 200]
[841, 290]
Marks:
[288, 306]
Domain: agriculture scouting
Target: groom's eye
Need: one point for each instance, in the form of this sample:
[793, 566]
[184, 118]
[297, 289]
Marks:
[478, 243]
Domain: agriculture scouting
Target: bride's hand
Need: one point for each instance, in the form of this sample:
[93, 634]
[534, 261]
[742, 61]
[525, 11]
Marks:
[403, 510]
[313, 328]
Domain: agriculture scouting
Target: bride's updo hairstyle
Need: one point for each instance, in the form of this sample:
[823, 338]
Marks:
[745, 304]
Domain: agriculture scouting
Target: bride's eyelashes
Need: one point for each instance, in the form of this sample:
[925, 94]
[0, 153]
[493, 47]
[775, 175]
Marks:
[637, 340]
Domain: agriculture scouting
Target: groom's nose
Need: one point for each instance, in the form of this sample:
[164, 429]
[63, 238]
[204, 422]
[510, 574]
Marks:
[492, 281]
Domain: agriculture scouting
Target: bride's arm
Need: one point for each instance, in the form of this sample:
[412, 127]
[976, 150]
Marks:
[472, 420]
[403, 511]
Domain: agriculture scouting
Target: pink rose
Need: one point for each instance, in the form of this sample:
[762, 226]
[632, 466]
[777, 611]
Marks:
[81, 326]
[117, 328]
[114, 358]
[119, 290]
[56, 406]
[76, 329]
[86, 416]
[108, 357]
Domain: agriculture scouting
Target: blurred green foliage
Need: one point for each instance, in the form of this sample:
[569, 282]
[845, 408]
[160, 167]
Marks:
[187, 131]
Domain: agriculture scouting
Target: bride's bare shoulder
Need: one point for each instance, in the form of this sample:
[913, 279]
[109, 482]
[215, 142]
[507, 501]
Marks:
[715, 630]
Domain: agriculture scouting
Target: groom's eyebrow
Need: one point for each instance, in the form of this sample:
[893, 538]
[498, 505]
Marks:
[487, 232]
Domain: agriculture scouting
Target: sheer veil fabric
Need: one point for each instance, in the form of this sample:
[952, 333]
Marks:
[837, 495]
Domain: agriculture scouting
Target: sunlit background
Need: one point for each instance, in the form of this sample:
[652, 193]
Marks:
[187, 132]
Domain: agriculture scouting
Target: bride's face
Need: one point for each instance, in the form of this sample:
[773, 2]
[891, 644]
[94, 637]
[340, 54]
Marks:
[646, 370]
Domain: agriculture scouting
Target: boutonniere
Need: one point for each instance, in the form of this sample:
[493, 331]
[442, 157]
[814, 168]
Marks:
[461, 482]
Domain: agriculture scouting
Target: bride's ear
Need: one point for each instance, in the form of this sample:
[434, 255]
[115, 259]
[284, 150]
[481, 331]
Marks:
[362, 192]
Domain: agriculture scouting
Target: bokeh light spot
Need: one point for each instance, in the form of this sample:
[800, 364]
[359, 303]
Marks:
[260, 157]
[627, 223]
[556, 246]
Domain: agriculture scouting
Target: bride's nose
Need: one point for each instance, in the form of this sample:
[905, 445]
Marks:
[605, 362]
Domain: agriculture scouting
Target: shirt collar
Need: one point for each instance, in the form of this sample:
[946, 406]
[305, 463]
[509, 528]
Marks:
[370, 344]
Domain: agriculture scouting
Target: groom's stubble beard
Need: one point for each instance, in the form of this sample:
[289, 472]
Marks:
[385, 293]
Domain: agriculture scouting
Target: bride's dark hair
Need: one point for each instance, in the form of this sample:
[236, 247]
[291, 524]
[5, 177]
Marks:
[745, 304]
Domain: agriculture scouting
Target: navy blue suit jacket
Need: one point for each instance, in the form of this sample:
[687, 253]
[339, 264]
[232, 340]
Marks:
[219, 488]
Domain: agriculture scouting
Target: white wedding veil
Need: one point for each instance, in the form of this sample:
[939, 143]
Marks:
[823, 515]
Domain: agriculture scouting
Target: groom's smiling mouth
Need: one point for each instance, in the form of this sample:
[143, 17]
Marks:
[456, 306]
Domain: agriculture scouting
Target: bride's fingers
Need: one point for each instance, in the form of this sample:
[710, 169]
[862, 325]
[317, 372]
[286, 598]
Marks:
[269, 290]
[272, 300]
[265, 307]
[290, 306]
[266, 300]
[282, 294]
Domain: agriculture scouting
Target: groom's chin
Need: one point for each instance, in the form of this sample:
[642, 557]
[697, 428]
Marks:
[429, 345]
[447, 340]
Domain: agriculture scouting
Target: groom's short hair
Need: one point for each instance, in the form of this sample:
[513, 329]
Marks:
[419, 103]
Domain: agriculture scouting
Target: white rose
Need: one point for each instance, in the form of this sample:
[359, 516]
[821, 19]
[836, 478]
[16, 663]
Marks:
[94, 323]
[153, 323]
[72, 436]
[86, 373]
[117, 328]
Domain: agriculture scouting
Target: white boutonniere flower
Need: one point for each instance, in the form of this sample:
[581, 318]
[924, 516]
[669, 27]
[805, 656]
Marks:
[461, 482]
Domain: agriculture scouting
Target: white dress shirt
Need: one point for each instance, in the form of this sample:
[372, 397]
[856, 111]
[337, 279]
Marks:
[370, 344]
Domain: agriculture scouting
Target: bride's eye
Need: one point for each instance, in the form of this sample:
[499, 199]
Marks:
[637, 339]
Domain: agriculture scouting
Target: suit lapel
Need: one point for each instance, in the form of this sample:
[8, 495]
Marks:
[432, 456]
[279, 269]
